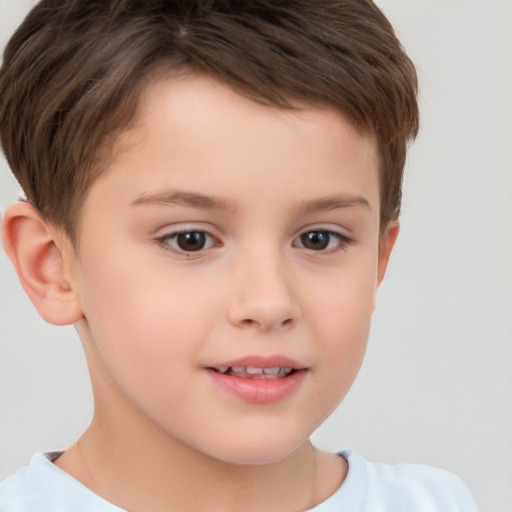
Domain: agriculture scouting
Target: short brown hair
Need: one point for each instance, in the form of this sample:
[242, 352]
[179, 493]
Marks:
[74, 70]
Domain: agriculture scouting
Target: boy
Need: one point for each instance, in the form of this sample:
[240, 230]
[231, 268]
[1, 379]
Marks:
[213, 190]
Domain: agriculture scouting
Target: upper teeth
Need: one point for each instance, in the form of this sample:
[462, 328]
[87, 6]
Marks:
[255, 370]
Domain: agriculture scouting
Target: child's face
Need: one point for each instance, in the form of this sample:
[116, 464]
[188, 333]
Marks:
[229, 234]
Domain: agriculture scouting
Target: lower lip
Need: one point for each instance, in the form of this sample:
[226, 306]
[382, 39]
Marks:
[259, 391]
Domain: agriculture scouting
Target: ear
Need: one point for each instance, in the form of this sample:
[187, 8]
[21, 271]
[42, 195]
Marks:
[386, 243]
[42, 256]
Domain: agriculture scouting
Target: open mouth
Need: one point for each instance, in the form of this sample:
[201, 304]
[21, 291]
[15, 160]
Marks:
[259, 379]
[254, 372]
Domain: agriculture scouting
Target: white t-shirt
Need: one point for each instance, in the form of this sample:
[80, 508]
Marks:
[43, 487]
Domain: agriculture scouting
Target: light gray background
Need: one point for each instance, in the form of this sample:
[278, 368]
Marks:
[436, 386]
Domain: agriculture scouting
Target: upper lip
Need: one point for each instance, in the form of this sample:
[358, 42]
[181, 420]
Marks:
[259, 361]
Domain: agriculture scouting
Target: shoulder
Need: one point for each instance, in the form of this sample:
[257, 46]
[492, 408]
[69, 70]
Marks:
[24, 490]
[43, 487]
[410, 486]
[371, 487]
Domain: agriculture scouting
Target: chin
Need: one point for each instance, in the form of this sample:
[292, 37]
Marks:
[256, 452]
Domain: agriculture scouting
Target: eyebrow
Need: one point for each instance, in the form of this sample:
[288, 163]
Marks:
[333, 203]
[183, 198]
[204, 202]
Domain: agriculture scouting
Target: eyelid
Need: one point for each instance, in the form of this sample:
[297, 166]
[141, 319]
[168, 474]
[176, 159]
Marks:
[344, 240]
[169, 233]
[328, 227]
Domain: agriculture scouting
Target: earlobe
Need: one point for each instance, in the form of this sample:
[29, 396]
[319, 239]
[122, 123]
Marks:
[386, 244]
[38, 252]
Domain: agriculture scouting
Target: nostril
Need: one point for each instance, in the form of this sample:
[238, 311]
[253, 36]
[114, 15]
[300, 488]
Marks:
[267, 325]
[264, 313]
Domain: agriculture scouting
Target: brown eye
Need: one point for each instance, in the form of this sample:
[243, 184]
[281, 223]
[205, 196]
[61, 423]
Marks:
[322, 240]
[191, 241]
[316, 240]
[186, 241]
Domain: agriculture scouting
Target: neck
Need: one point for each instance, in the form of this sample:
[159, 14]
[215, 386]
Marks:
[154, 476]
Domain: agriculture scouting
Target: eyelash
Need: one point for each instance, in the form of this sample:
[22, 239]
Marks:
[342, 241]
[166, 241]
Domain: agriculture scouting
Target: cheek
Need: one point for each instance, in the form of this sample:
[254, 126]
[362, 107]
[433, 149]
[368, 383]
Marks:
[343, 310]
[144, 325]
[343, 300]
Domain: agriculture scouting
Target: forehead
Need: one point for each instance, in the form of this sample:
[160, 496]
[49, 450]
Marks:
[202, 97]
[197, 133]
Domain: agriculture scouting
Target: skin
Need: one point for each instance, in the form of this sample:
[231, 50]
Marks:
[153, 317]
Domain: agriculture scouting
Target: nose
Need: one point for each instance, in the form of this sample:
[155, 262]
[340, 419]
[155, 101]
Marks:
[263, 294]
